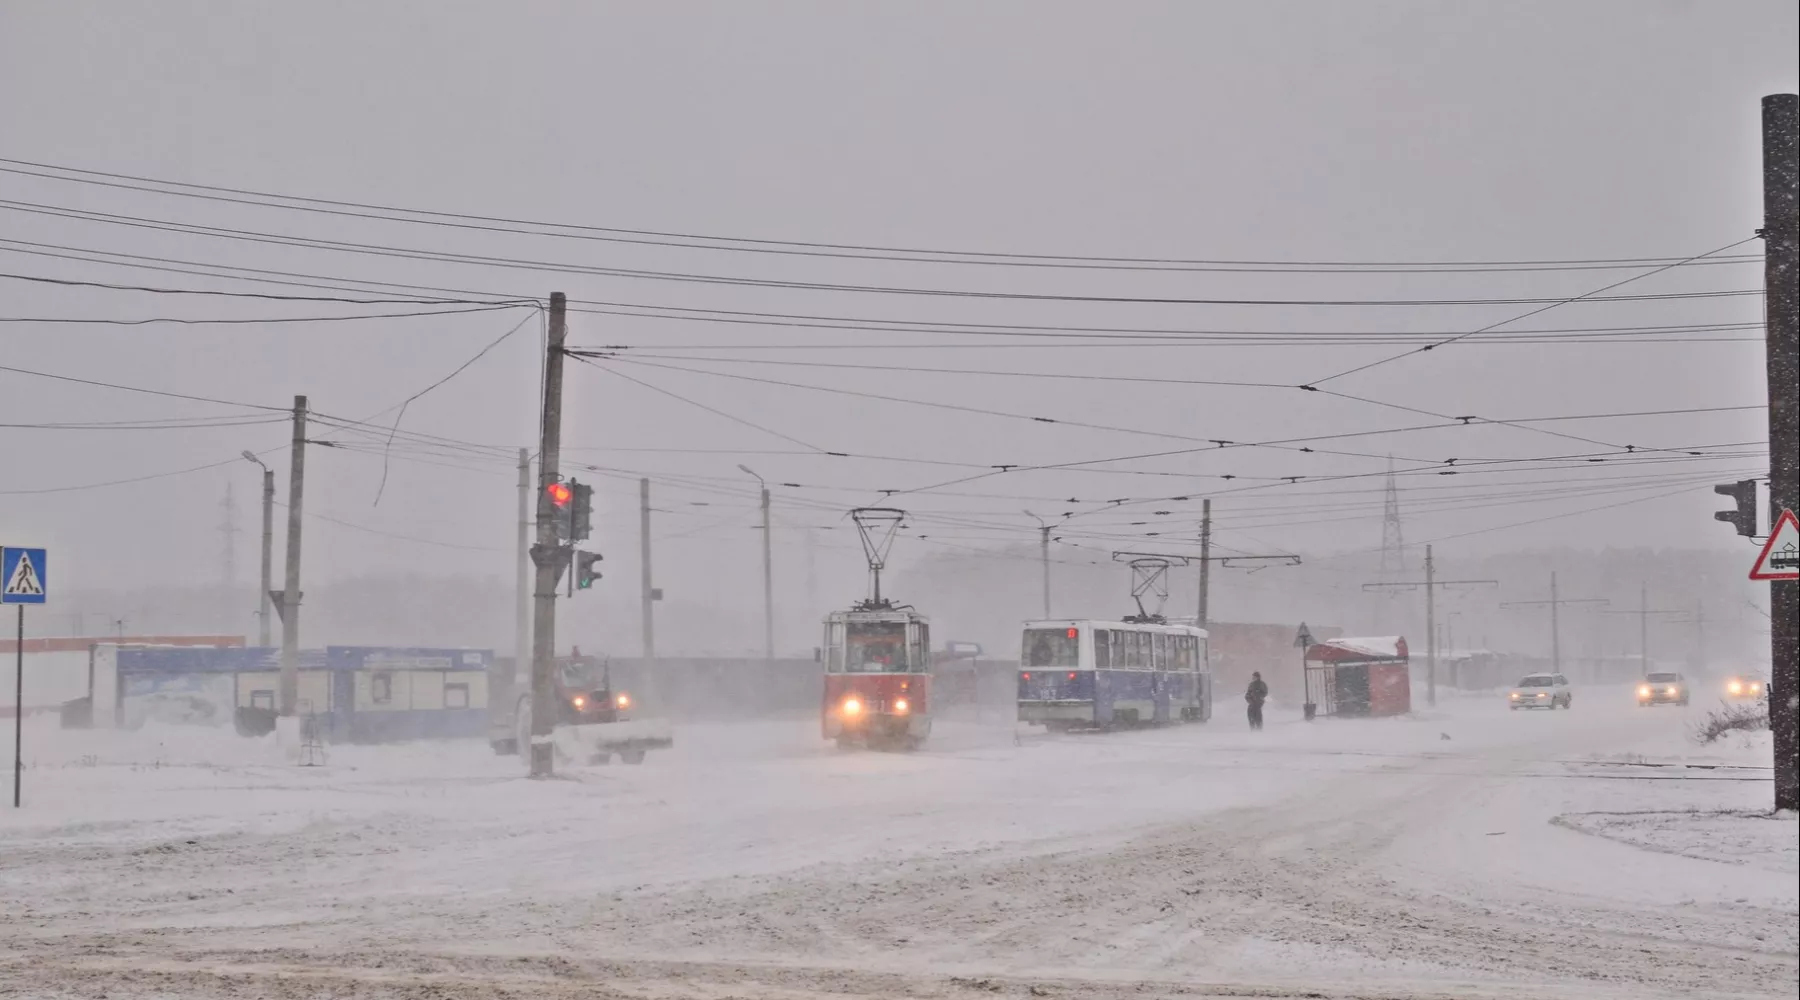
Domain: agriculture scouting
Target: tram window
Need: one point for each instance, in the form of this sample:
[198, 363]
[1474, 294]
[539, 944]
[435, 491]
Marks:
[1052, 647]
[1103, 648]
[921, 651]
[1178, 653]
[1160, 646]
[875, 648]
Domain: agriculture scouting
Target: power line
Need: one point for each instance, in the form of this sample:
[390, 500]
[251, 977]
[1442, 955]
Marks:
[411, 253]
[248, 321]
[1593, 296]
[263, 199]
[266, 296]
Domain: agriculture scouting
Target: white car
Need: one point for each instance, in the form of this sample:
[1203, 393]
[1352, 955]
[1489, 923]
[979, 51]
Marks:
[1541, 691]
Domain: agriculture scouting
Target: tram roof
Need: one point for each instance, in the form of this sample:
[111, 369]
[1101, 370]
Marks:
[895, 615]
[1114, 623]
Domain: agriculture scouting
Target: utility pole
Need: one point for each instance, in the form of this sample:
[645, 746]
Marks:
[1200, 617]
[1203, 609]
[268, 548]
[649, 596]
[548, 553]
[1555, 604]
[768, 569]
[290, 591]
[1781, 304]
[1043, 557]
[1431, 583]
[1643, 613]
[228, 527]
[522, 573]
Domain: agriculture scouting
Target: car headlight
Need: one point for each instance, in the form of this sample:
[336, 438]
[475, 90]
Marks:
[901, 707]
[1670, 691]
[1515, 696]
[852, 706]
[1644, 692]
[1541, 694]
[1735, 687]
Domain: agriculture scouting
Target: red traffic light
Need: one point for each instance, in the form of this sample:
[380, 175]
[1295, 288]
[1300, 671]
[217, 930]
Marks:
[559, 494]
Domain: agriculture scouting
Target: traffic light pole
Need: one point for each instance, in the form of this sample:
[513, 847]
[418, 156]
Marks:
[547, 552]
[522, 580]
[1781, 260]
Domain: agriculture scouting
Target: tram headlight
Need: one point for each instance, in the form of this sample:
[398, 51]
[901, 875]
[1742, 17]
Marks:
[852, 706]
[901, 706]
[623, 700]
[579, 701]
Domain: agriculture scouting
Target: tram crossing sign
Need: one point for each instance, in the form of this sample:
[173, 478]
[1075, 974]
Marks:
[1780, 556]
[23, 573]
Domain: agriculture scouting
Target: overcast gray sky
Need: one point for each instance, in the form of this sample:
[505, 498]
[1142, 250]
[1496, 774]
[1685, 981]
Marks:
[1285, 132]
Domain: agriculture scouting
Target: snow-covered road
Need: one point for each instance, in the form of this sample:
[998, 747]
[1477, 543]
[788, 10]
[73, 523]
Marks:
[1467, 852]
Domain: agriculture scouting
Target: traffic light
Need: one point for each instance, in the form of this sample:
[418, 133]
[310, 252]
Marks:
[581, 511]
[585, 571]
[562, 498]
[1743, 493]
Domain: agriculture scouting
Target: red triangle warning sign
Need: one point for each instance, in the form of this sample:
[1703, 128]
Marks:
[1780, 558]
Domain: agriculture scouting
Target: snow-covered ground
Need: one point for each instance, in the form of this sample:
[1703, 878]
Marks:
[1466, 852]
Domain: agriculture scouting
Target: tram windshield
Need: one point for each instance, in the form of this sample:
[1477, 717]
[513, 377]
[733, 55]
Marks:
[1052, 647]
[875, 648]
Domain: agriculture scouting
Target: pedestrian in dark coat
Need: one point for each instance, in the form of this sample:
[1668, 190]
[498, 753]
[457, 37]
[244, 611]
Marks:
[1254, 696]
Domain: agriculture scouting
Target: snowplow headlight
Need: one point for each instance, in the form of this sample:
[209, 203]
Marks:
[623, 700]
[579, 701]
[852, 706]
[901, 707]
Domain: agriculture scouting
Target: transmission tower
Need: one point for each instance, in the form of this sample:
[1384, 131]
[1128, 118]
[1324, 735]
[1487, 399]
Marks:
[1393, 552]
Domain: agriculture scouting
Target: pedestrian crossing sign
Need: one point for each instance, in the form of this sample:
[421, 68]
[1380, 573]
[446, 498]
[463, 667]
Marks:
[23, 575]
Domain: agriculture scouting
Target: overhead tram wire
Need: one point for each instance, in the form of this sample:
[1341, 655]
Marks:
[699, 314]
[1593, 296]
[689, 277]
[262, 199]
[248, 321]
[264, 296]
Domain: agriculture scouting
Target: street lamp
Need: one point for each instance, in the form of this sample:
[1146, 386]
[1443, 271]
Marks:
[768, 571]
[268, 547]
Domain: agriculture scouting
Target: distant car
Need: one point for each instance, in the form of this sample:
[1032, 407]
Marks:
[1745, 688]
[1542, 691]
[1663, 689]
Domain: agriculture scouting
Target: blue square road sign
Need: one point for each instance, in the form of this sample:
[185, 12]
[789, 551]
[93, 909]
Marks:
[24, 576]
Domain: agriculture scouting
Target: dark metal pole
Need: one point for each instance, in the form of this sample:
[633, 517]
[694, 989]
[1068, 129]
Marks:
[19, 709]
[1781, 250]
[649, 595]
[768, 582]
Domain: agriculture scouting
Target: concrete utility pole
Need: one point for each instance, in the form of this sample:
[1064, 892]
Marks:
[1555, 604]
[649, 589]
[522, 574]
[548, 553]
[268, 548]
[1781, 304]
[1431, 583]
[1043, 557]
[768, 570]
[290, 591]
[1200, 618]
[1643, 613]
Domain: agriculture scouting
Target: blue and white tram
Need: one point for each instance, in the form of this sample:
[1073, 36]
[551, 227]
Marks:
[1081, 673]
